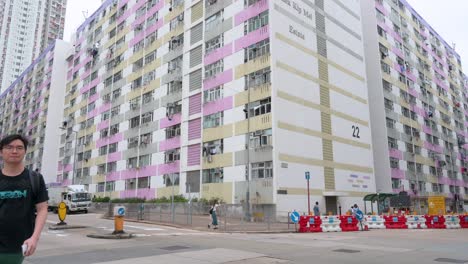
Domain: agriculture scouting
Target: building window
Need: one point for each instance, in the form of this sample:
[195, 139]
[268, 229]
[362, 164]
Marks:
[261, 138]
[394, 163]
[260, 107]
[256, 22]
[262, 170]
[213, 94]
[396, 183]
[258, 49]
[213, 120]
[171, 179]
[145, 160]
[173, 131]
[172, 155]
[214, 69]
[214, 43]
[215, 175]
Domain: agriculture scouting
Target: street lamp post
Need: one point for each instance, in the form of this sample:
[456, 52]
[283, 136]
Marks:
[74, 151]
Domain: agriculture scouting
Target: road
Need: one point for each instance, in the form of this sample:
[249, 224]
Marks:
[163, 244]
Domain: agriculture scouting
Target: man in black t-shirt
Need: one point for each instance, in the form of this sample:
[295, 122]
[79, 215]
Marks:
[18, 224]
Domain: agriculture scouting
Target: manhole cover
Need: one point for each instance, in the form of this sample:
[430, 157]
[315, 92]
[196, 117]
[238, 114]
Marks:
[173, 248]
[346, 251]
[449, 260]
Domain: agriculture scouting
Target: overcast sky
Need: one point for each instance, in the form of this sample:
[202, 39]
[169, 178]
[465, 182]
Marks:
[447, 17]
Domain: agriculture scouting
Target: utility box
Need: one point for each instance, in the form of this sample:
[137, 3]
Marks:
[119, 211]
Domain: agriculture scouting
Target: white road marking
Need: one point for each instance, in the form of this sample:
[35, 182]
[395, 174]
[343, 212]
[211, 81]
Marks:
[144, 228]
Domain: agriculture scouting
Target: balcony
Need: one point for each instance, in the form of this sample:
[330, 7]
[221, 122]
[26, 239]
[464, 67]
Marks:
[256, 93]
[216, 7]
[252, 66]
[217, 161]
[216, 29]
[260, 122]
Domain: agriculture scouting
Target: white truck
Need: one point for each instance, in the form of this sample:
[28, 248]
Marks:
[76, 197]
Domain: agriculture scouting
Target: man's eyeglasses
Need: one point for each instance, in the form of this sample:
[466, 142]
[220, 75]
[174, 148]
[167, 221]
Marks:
[11, 148]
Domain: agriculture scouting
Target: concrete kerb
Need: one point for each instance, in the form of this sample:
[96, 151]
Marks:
[63, 227]
[111, 236]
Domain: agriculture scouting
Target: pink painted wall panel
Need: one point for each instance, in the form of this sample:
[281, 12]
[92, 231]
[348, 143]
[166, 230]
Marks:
[165, 122]
[383, 26]
[398, 174]
[113, 176]
[396, 36]
[103, 124]
[67, 168]
[395, 153]
[218, 54]
[381, 8]
[218, 106]
[398, 52]
[122, 3]
[218, 80]
[195, 104]
[145, 33]
[250, 12]
[148, 14]
[194, 129]
[80, 65]
[104, 108]
[128, 174]
[426, 129]
[413, 92]
[146, 193]
[66, 182]
[114, 156]
[93, 113]
[116, 138]
[252, 38]
[90, 85]
[411, 76]
[93, 98]
[193, 155]
[169, 168]
[155, 27]
[444, 180]
[148, 171]
[171, 143]
[85, 74]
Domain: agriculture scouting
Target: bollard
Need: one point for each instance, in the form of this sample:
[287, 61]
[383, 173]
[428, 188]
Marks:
[119, 213]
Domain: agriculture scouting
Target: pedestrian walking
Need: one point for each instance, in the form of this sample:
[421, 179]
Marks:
[214, 217]
[354, 209]
[316, 209]
[22, 194]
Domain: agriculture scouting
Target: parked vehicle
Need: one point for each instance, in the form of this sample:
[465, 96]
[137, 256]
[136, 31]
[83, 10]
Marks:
[76, 198]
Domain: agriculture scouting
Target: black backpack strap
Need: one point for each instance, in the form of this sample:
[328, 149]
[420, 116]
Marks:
[34, 179]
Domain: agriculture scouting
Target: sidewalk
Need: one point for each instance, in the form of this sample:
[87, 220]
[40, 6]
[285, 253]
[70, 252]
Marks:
[231, 225]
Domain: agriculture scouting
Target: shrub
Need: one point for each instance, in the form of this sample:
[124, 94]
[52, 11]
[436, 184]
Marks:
[128, 200]
[101, 199]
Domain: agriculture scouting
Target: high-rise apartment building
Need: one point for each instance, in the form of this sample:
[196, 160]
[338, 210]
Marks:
[26, 29]
[228, 99]
[32, 105]
[418, 103]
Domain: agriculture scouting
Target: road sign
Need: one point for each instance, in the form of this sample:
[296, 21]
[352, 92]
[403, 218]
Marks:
[119, 211]
[307, 175]
[359, 215]
[294, 217]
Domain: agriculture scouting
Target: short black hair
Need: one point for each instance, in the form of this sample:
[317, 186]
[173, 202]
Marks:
[10, 138]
